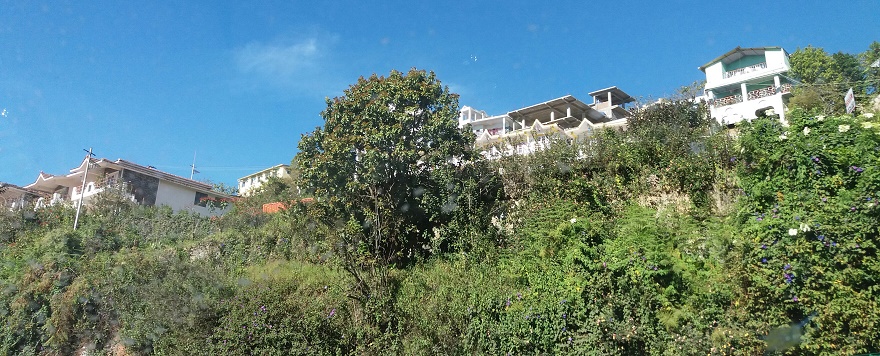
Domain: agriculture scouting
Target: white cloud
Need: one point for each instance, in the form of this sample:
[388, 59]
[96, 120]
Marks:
[305, 65]
[277, 59]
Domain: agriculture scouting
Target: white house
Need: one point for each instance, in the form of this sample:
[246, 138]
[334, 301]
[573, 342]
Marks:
[248, 184]
[526, 130]
[744, 82]
[143, 185]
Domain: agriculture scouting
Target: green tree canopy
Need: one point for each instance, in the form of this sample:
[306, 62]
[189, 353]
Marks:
[386, 158]
[869, 58]
[826, 77]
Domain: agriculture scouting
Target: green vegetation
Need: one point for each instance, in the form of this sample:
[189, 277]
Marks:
[826, 77]
[672, 237]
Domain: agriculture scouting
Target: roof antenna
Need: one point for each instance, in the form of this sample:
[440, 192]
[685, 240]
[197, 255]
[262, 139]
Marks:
[193, 166]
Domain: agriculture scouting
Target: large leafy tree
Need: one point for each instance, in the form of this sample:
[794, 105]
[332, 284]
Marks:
[826, 77]
[389, 160]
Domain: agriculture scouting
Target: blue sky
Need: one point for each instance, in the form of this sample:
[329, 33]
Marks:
[237, 84]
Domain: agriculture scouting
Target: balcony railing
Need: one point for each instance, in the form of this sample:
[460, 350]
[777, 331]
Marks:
[93, 188]
[751, 95]
[727, 100]
[744, 70]
[762, 93]
[769, 91]
[785, 88]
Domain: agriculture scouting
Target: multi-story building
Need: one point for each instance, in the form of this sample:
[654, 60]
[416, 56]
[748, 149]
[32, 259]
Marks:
[526, 130]
[248, 184]
[745, 82]
[143, 185]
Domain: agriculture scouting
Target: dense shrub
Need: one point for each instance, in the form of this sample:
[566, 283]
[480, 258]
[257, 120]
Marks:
[810, 229]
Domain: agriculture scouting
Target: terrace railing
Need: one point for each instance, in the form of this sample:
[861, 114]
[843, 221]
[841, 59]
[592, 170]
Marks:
[744, 70]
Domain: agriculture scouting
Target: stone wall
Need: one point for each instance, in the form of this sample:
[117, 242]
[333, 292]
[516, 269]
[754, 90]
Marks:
[142, 186]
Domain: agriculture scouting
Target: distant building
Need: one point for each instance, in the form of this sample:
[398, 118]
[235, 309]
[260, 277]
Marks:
[743, 83]
[143, 185]
[248, 184]
[15, 197]
[526, 130]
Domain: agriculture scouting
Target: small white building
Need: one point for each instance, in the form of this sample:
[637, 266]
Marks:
[527, 130]
[143, 185]
[248, 184]
[744, 82]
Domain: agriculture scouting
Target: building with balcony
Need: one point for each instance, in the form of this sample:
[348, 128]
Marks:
[523, 131]
[15, 197]
[743, 83]
[143, 185]
[248, 184]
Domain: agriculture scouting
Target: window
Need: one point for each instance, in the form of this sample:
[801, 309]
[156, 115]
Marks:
[201, 199]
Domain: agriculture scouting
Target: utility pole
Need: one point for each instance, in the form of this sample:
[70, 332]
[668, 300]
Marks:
[82, 189]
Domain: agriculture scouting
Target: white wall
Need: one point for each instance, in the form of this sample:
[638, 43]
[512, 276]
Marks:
[746, 110]
[181, 198]
[250, 183]
[777, 60]
[714, 74]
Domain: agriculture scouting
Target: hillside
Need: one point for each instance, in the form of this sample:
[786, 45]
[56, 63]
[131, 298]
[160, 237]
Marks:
[673, 237]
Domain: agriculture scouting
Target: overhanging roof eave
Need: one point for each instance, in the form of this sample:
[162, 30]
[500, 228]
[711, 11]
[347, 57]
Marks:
[735, 50]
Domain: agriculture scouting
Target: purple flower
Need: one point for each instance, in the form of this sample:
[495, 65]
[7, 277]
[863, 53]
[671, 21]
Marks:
[852, 208]
[759, 218]
[820, 237]
[332, 313]
[786, 267]
[794, 299]
[833, 244]
[857, 169]
[507, 304]
[815, 159]
[824, 199]
[764, 260]
[763, 246]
